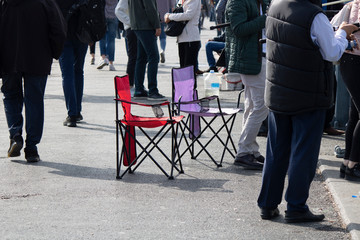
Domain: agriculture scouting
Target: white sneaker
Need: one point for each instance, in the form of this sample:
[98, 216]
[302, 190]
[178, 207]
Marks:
[103, 63]
[111, 67]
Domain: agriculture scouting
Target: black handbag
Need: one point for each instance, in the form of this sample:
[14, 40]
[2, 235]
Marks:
[175, 28]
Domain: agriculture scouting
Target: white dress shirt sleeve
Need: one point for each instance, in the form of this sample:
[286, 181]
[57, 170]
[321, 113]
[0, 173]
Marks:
[331, 45]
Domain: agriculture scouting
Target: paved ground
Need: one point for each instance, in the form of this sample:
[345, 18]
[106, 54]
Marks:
[73, 194]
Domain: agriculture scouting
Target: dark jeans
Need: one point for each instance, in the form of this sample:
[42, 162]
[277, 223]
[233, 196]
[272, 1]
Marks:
[188, 53]
[293, 150]
[162, 37]
[147, 53]
[132, 53]
[348, 67]
[33, 97]
[72, 69]
[210, 47]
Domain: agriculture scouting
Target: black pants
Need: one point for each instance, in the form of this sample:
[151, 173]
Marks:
[92, 48]
[188, 53]
[349, 65]
[132, 53]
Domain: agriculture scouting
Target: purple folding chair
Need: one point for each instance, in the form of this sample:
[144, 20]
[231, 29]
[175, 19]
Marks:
[185, 100]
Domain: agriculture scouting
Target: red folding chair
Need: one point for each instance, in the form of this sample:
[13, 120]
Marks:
[126, 128]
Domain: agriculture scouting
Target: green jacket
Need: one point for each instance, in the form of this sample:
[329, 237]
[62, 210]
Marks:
[143, 15]
[243, 50]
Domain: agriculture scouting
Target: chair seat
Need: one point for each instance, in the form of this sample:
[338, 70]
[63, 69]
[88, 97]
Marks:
[149, 122]
[211, 112]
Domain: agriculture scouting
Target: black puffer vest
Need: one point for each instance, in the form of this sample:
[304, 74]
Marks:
[297, 77]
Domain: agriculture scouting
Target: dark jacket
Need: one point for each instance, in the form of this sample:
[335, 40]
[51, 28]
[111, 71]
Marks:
[32, 33]
[297, 77]
[71, 20]
[242, 48]
[144, 15]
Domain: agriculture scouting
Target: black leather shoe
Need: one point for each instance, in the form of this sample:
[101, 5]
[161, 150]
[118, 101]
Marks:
[342, 170]
[248, 162]
[298, 217]
[268, 214]
[31, 155]
[70, 121]
[260, 159]
[16, 144]
[353, 174]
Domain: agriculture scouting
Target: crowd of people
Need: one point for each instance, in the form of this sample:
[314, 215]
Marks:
[289, 80]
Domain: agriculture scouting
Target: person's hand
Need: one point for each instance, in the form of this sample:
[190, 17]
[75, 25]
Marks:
[157, 32]
[348, 28]
[166, 18]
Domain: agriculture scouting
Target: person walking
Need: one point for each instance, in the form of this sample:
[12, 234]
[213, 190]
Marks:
[145, 22]
[164, 6]
[72, 66]
[245, 58]
[299, 89]
[189, 40]
[28, 29]
[107, 43]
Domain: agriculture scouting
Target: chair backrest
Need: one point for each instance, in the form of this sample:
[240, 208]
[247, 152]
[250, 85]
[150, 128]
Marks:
[122, 91]
[184, 85]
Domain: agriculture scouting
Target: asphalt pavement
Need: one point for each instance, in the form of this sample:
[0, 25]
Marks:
[73, 193]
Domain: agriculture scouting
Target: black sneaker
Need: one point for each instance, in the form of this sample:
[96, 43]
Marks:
[16, 144]
[142, 95]
[353, 174]
[248, 162]
[156, 97]
[70, 121]
[31, 155]
[79, 117]
[342, 170]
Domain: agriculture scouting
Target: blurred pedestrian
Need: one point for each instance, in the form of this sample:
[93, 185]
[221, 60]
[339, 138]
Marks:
[245, 58]
[32, 33]
[72, 65]
[122, 13]
[107, 43]
[164, 6]
[189, 40]
[145, 22]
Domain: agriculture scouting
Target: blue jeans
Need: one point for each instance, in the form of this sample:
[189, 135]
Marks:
[147, 53]
[72, 69]
[107, 43]
[210, 47]
[293, 147]
[162, 37]
[33, 98]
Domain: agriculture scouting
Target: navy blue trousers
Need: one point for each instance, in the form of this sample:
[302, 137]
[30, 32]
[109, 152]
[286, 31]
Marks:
[293, 147]
[30, 93]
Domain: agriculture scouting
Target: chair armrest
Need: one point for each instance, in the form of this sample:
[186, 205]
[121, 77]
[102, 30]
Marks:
[143, 104]
[198, 100]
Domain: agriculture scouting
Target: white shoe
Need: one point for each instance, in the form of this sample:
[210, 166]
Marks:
[111, 67]
[103, 63]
